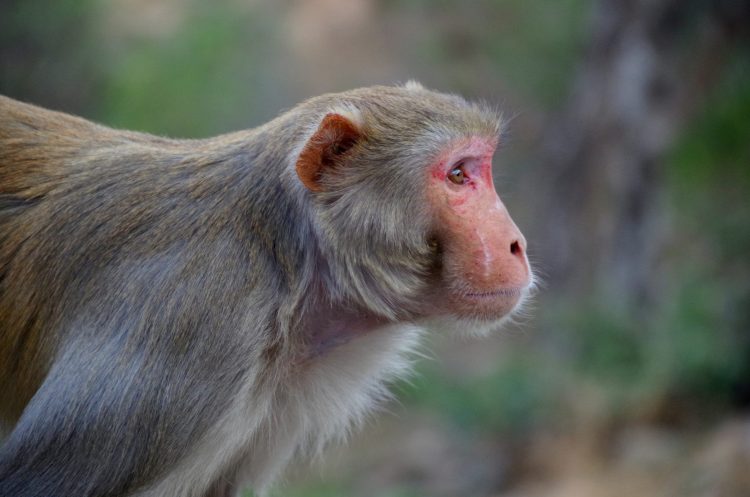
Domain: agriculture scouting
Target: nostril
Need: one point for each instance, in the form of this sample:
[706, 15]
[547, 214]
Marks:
[515, 248]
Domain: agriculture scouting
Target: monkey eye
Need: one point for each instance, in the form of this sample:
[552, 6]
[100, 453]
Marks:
[457, 175]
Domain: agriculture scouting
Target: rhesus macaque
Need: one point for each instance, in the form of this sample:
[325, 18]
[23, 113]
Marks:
[182, 317]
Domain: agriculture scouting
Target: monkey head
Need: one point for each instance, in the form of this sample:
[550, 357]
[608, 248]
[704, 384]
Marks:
[405, 209]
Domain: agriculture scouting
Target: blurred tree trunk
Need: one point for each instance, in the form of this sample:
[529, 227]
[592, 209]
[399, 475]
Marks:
[647, 64]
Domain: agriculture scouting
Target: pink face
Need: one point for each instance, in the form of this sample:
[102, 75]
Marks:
[485, 269]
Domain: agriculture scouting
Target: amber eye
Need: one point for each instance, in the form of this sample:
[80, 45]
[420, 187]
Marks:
[457, 174]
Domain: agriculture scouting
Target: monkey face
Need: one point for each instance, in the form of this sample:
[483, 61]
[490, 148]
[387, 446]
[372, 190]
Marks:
[484, 269]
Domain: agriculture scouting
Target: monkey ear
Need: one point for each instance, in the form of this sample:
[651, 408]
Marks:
[335, 135]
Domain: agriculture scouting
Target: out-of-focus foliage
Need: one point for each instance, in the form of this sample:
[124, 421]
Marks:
[709, 188]
[46, 52]
[531, 45]
[178, 85]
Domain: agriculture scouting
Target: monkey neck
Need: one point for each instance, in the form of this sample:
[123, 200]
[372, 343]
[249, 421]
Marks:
[325, 329]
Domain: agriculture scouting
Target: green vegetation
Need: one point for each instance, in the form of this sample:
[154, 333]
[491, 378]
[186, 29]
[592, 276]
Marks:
[532, 45]
[164, 85]
[514, 398]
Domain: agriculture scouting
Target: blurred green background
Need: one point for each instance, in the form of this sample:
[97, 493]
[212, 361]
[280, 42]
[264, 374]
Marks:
[627, 165]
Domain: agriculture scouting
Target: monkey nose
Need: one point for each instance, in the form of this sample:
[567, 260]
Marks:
[511, 265]
[515, 248]
[518, 248]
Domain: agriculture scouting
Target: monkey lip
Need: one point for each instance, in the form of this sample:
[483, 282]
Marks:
[510, 292]
[493, 304]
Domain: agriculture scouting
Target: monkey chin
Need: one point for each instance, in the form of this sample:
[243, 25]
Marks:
[478, 314]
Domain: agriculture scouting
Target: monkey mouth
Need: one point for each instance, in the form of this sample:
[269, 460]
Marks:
[512, 292]
[488, 304]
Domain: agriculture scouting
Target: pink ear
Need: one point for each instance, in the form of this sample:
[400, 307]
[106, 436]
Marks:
[335, 135]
